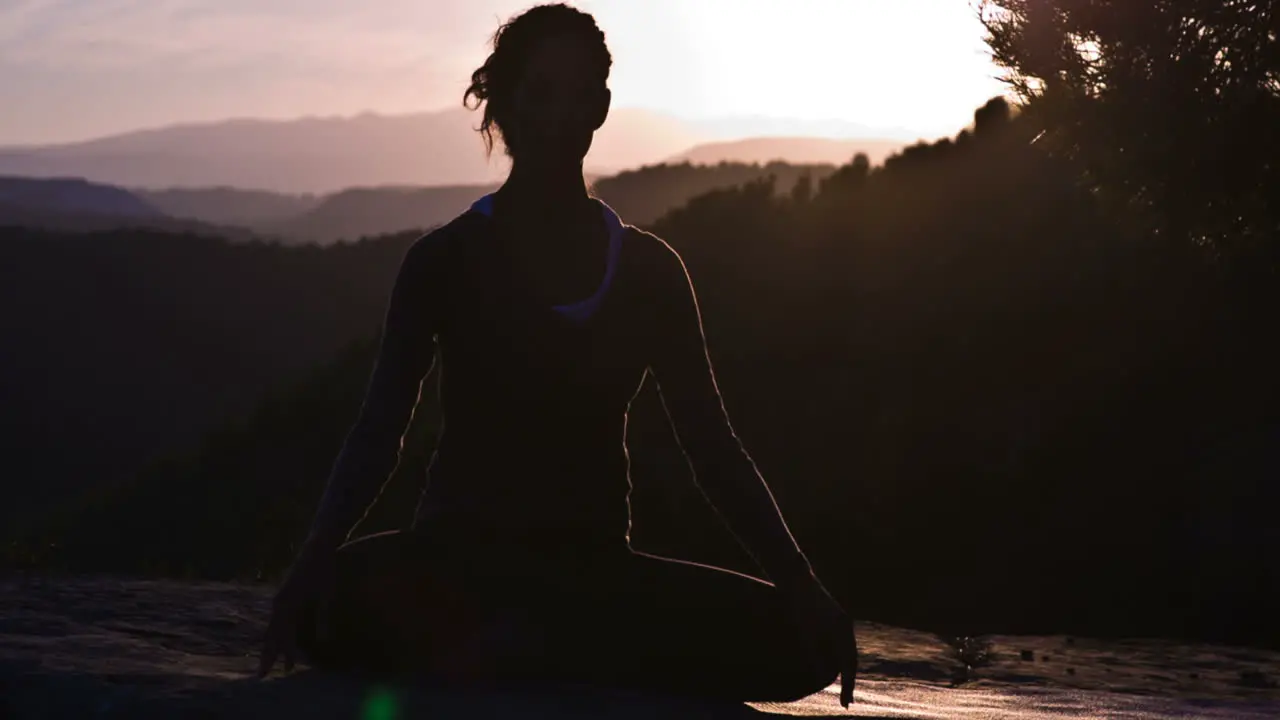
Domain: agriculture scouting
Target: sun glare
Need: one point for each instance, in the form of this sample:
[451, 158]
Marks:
[912, 64]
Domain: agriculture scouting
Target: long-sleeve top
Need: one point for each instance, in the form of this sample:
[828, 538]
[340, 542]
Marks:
[535, 397]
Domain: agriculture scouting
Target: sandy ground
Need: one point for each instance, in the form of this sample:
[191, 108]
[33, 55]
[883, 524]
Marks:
[95, 647]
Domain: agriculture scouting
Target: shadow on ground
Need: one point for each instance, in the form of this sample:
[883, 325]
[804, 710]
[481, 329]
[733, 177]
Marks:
[321, 696]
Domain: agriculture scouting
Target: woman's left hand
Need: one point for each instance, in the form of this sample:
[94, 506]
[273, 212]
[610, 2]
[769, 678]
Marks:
[826, 628]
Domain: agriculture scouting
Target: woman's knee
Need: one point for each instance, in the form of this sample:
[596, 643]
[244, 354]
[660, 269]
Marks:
[364, 604]
[373, 550]
[823, 669]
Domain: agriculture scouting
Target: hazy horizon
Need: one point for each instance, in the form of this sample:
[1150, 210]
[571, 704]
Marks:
[715, 129]
[77, 70]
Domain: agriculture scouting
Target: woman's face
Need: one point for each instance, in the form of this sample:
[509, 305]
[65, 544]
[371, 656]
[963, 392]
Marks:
[558, 105]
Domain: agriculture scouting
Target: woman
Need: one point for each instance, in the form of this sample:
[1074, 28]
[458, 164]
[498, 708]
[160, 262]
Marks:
[548, 313]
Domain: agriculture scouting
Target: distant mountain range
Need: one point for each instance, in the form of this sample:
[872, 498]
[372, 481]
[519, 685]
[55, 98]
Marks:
[326, 179]
[792, 150]
[230, 206]
[326, 155]
[76, 205]
[71, 196]
[359, 212]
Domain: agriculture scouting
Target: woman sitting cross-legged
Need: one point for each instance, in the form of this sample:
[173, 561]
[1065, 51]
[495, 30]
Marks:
[548, 312]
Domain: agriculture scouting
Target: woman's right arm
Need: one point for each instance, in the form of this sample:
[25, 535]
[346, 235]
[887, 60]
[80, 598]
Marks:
[372, 446]
[405, 357]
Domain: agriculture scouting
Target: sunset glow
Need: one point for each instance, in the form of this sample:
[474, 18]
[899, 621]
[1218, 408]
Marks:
[85, 68]
[915, 65]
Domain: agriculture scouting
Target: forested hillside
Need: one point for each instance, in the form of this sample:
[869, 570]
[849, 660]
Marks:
[984, 400]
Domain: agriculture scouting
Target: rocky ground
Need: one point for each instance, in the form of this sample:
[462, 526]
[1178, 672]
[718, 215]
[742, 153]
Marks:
[101, 647]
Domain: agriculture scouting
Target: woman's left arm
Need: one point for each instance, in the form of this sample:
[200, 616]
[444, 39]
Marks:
[721, 466]
[724, 470]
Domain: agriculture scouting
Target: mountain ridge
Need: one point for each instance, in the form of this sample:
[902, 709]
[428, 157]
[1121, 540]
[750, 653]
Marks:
[319, 155]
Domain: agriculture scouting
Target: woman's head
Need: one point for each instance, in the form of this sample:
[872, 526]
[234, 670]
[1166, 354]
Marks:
[545, 85]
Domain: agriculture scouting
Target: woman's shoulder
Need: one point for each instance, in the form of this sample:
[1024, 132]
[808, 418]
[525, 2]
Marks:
[651, 252]
[657, 262]
[441, 243]
[465, 226]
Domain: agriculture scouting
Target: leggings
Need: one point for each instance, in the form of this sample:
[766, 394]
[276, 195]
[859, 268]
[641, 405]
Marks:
[609, 616]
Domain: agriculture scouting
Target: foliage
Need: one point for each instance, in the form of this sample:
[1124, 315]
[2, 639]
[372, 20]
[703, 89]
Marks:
[1170, 107]
[978, 395]
[644, 195]
[127, 345]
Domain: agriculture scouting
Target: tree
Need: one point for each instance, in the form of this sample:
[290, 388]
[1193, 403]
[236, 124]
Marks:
[802, 192]
[1169, 106]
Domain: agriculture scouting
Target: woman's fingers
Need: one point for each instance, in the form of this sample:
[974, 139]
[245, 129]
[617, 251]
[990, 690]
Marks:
[278, 642]
[268, 657]
[279, 645]
[848, 670]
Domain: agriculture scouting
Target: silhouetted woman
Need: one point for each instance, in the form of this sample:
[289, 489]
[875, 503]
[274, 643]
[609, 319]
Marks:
[548, 312]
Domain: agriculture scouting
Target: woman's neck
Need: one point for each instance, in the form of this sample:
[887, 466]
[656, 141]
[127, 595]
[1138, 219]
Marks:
[544, 192]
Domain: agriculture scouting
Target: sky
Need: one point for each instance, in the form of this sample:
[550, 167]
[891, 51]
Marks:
[77, 69]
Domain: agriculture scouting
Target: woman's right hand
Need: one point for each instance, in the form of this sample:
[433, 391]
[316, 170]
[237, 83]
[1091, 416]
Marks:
[307, 580]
